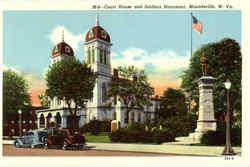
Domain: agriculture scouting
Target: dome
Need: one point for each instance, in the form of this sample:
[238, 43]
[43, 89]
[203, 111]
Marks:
[62, 48]
[97, 32]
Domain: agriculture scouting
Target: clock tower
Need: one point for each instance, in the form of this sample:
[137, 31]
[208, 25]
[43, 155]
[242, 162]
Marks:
[97, 49]
[97, 54]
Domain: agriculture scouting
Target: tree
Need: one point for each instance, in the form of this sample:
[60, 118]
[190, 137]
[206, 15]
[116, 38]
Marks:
[173, 103]
[224, 61]
[44, 100]
[72, 81]
[15, 93]
[131, 87]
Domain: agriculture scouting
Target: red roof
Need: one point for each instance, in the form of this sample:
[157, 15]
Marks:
[97, 32]
[63, 47]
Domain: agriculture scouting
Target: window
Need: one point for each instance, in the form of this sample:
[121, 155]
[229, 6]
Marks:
[114, 115]
[103, 92]
[101, 55]
[67, 49]
[139, 117]
[104, 57]
[132, 116]
[58, 102]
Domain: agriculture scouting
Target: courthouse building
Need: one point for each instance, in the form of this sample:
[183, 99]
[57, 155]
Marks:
[97, 49]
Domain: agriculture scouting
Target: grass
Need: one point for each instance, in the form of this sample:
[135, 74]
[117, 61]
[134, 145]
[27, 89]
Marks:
[99, 138]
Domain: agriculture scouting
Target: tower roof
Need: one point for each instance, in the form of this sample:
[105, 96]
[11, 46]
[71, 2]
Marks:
[62, 48]
[97, 32]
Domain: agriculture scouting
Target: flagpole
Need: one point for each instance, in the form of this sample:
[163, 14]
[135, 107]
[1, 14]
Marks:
[191, 29]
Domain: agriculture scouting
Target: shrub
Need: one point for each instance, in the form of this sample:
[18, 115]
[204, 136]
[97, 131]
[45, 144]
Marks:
[96, 126]
[136, 132]
[219, 137]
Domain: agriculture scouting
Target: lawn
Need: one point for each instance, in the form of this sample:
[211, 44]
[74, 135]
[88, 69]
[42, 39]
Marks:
[99, 138]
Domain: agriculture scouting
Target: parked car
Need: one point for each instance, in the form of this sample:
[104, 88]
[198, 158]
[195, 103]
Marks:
[33, 138]
[65, 138]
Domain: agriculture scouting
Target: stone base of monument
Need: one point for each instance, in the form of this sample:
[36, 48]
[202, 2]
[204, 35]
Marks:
[202, 127]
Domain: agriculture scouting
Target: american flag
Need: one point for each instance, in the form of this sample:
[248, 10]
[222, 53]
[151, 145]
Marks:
[197, 25]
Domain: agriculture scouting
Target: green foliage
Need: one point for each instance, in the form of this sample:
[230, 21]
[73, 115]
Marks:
[15, 93]
[130, 91]
[180, 126]
[95, 127]
[224, 61]
[219, 137]
[72, 81]
[44, 100]
[136, 133]
[173, 103]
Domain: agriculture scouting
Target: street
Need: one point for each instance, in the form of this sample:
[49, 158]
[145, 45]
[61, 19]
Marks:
[10, 150]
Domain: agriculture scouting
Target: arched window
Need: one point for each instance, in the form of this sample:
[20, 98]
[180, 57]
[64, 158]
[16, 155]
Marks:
[105, 57]
[132, 116]
[114, 115]
[103, 92]
[101, 57]
[41, 121]
[58, 120]
[139, 117]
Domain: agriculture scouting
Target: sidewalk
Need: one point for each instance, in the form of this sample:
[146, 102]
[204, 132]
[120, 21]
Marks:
[180, 147]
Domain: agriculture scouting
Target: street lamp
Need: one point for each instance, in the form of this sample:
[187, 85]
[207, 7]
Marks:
[228, 147]
[20, 122]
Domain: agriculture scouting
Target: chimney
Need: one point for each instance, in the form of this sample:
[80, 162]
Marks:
[115, 75]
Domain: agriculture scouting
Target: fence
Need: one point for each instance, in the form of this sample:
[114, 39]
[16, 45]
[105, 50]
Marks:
[12, 126]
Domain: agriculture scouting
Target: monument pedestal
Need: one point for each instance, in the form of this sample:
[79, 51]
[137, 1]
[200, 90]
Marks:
[206, 120]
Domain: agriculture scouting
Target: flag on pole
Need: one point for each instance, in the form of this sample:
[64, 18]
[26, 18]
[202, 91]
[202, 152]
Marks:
[197, 25]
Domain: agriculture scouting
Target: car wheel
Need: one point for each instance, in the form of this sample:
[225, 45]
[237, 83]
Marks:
[17, 144]
[65, 145]
[46, 145]
[32, 146]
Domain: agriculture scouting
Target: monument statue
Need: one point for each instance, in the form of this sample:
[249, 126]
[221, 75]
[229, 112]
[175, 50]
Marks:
[203, 61]
[206, 120]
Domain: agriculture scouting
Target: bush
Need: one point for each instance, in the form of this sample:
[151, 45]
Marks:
[219, 137]
[95, 126]
[179, 126]
[137, 133]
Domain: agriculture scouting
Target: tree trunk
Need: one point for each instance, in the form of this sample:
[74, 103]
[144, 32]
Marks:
[74, 121]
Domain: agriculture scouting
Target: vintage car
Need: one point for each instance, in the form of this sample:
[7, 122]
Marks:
[33, 138]
[65, 138]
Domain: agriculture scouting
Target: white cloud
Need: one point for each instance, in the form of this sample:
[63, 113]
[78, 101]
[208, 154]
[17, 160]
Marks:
[163, 60]
[73, 40]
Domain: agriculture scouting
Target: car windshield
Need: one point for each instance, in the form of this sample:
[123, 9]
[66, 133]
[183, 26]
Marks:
[40, 134]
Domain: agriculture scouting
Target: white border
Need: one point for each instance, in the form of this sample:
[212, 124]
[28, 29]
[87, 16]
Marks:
[134, 161]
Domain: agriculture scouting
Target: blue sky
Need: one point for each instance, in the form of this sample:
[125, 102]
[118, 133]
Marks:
[157, 41]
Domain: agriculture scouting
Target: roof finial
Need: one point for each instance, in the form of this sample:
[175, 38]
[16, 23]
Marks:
[62, 35]
[97, 19]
